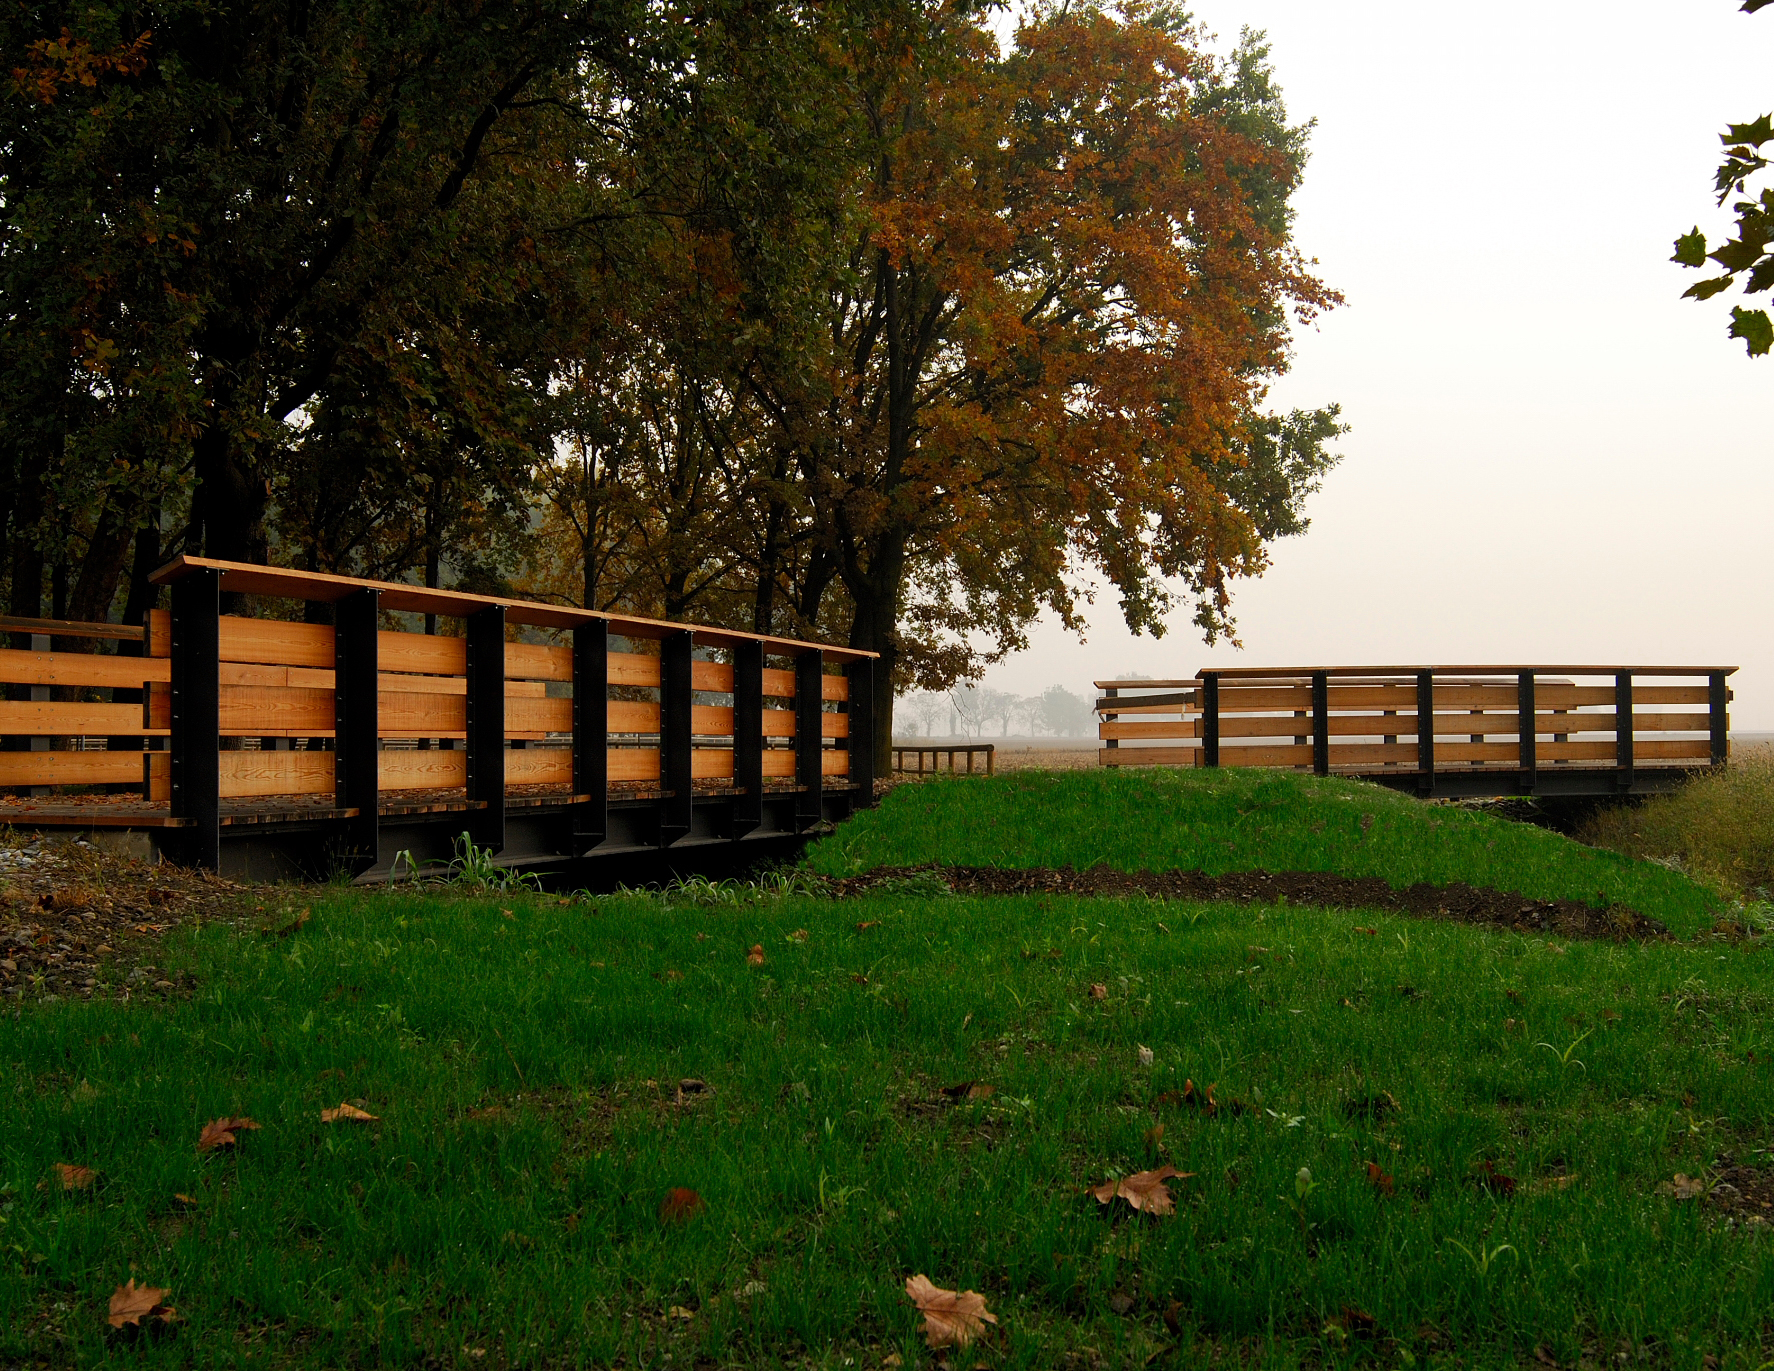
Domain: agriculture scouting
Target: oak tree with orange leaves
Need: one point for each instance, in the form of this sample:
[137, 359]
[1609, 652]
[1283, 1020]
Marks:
[1068, 282]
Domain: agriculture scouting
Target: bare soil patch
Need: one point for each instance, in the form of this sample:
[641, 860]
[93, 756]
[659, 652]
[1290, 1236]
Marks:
[1456, 903]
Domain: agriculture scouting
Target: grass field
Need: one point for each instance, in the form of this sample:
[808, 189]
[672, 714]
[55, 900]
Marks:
[1527, 1105]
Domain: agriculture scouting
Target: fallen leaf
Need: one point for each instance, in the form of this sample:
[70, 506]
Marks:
[1357, 1321]
[800, 935]
[185, 1201]
[859, 978]
[679, 1312]
[1155, 1136]
[1173, 1316]
[1546, 1184]
[346, 1113]
[220, 1133]
[295, 925]
[1099, 991]
[970, 1090]
[1683, 1187]
[952, 1318]
[1144, 1190]
[1145, 1055]
[867, 924]
[508, 914]
[756, 956]
[75, 1177]
[674, 975]
[690, 1090]
[1120, 1302]
[1381, 1182]
[131, 1303]
[680, 1205]
[1494, 1180]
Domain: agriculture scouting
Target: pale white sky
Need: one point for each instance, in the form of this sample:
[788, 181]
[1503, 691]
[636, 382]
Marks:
[1554, 458]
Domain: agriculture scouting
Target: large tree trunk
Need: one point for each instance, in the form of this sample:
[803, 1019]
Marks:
[230, 505]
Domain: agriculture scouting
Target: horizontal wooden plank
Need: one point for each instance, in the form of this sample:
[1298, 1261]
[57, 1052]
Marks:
[538, 662]
[81, 669]
[158, 633]
[1234, 699]
[779, 723]
[538, 716]
[633, 764]
[834, 761]
[1106, 686]
[1171, 728]
[539, 766]
[70, 768]
[1372, 754]
[711, 676]
[779, 684]
[1133, 706]
[273, 712]
[159, 776]
[1276, 755]
[275, 642]
[275, 773]
[779, 762]
[834, 688]
[1149, 756]
[400, 714]
[632, 669]
[711, 764]
[54, 719]
[1227, 674]
[433, 654]
[431, 769]
[1672, 749]
[69, 628]
[633, 716]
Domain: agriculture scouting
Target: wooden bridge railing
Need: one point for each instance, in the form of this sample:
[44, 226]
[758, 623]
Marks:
[354, 717]
[1489, 723]
[919, 751]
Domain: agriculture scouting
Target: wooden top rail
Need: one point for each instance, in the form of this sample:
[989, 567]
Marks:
[1306, 673]
[248, 579]
[67, 628]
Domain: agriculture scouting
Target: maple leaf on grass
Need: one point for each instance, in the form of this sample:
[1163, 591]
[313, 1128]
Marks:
[346, 1113]
[952, 1318]
[1144, 1191]
[755, 957]
[220, 1133]
[1380, 1180]
[75, 1177]
[132, 1304]
[680, 1206]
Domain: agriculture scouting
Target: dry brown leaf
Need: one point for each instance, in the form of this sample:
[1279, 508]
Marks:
[755, 957]
[970, 1090]
[1546, 1184]
[1382, 1183]
[680, 1205]
[1099, 991]
[1683, 1187]
[346, 1113]
[1144, 1055]
[221, 1133]
[1144, 1190]
[75, 1177]
[800, 935]
[131, 1303]
[867, 924]
[507, 914]
[183, 1201]
[690, 1090]
[1155, 1136]
[952, 1318]
[295, 925]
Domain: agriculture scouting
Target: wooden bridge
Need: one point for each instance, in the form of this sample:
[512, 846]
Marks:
[1493, 731]
[267, 746]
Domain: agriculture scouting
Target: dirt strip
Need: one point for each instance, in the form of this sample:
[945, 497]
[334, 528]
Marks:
[1457, 903]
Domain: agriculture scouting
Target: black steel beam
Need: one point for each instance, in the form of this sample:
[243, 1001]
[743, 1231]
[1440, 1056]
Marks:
[197, 715]
[591, 735]
[1718, 701]
[356, 784]
[1527, 726]
[1210, 719]
[861, 741]
[1425, 733]
[809, 739]
[748, 737]
[1321, 723]
[1623, 730]
[486, 725]
[675, 699]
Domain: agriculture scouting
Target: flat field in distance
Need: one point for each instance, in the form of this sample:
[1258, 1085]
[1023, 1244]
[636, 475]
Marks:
[1429, 1144]
[1155, 819]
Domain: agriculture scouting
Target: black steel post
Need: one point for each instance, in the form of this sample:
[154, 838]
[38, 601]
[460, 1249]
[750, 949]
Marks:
[486, 725]
[1425, 733]
[748, 736]
[197, 715]
[1623, 731]
[861, 708]
[1718, 698]
[356, 784]
[1210, 719]
[809, 739]
[591, 735]
[675, 776]
[1321, 723]
[1110, 693]
[1527, 726]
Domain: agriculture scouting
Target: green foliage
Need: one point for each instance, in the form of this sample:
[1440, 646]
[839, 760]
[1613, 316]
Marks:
[1157, 819]
[524, 1072]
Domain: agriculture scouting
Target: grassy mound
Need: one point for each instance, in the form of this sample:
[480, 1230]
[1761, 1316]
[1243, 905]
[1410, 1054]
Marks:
[1525, 1107]
[1236, 820]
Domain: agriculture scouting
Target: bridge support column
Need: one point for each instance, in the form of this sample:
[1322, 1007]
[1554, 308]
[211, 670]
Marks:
[809, 739]
[356, 779]
[1425, 733]
[197, 715]
[591, 728]
[1527, 731]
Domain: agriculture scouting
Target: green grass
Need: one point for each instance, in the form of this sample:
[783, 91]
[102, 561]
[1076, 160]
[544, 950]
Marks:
[1158, 820]
[507, 1203]
[1719, 827]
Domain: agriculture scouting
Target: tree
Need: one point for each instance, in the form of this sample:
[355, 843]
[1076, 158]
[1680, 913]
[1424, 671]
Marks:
[1745, 258]
[1068, 281]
